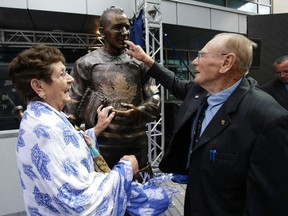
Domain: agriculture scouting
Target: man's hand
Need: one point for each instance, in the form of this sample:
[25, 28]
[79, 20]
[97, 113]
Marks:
[104, 118]
[137, 52]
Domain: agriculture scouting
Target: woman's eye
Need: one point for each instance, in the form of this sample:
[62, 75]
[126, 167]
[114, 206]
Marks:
[63, 74]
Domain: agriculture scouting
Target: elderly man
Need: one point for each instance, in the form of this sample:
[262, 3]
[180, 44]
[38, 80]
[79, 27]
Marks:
[278, 88]
[238, 164]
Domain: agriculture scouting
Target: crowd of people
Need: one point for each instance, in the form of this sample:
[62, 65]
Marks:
[235, 157]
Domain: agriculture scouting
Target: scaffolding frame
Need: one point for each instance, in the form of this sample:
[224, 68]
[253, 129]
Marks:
[25, 38]
[152, 20]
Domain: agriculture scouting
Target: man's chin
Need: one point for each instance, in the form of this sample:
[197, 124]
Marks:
[196, 78]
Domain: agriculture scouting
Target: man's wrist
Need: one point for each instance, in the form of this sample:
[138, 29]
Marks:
[148, 61]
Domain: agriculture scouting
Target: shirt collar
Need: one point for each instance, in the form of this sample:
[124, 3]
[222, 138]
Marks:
[221, 97]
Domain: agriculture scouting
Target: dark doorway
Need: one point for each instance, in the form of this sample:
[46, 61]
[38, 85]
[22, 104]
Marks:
[271, 32]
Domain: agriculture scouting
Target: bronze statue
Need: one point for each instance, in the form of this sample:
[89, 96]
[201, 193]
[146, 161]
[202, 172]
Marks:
[108, 76]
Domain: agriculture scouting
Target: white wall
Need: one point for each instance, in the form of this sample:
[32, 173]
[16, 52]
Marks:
[96, 7]
[91, 7]
[280, 6]
[68, 6]
[11, 199]
[20, 4]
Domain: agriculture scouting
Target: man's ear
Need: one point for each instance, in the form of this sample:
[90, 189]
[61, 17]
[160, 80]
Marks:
[228, 63]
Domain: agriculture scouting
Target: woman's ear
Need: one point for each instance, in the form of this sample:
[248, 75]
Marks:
[228, 63]
[37, 86]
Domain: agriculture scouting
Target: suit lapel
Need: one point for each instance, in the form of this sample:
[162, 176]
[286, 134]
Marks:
[222, 119]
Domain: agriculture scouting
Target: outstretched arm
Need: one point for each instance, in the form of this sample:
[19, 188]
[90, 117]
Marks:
[165, 77]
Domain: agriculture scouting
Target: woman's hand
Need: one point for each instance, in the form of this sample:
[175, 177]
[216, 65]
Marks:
[105, 116]
[133, 161]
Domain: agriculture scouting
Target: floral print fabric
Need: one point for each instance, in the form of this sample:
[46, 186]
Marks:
[58, 178]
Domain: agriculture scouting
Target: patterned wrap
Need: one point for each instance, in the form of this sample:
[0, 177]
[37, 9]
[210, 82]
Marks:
[58, 178]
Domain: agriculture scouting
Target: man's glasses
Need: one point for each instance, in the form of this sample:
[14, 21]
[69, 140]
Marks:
[202, 54]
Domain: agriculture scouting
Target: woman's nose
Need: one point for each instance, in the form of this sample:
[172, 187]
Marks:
[70, 78]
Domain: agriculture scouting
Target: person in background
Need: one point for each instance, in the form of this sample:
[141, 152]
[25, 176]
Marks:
[238, 165]
[61, 171]
[278, 88]
[6, 104]
[108, 76]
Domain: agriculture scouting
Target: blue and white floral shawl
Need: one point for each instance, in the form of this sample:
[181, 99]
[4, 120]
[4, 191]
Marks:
[58, 177]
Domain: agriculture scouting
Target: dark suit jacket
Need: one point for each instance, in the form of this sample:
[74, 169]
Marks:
[277, 89]
[249, 175]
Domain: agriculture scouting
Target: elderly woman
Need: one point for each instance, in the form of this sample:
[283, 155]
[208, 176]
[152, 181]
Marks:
[55, 160]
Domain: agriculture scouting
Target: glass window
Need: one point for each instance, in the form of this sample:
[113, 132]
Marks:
[193, 55]
[215, 2]
[252, 6]
[175, 57]
[264, 9]
[249, 7]
[235, 4]
[182, 73]
[268, 2]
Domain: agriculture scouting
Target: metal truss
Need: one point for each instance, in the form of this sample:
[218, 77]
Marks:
[154, 47]
[21, 38]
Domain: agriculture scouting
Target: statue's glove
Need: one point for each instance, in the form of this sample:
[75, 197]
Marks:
[132, 113]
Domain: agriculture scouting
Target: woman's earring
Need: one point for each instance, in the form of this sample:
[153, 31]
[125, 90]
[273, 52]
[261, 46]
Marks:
[42, 95]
